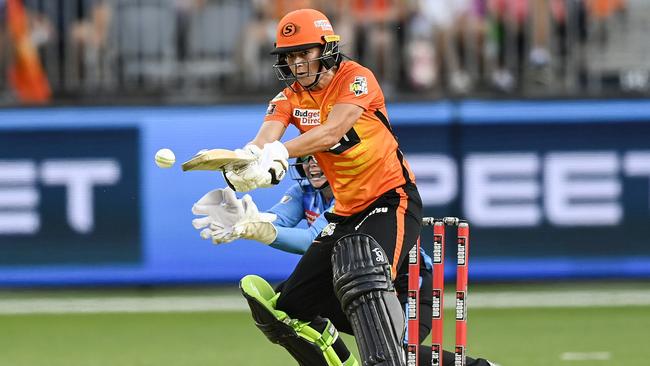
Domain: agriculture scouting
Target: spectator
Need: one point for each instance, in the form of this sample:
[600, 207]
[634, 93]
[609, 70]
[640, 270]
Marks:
[3, 44]
[508, 24]
[376, 24]
[440, 30]
[254, 48]
[600, 11]
[27, 31]
[89, 41]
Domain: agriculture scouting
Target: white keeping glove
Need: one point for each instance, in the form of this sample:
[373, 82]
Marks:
[268, 168]
[223, 210]
[255, 225]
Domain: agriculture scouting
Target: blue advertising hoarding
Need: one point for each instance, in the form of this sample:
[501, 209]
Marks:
[551, 189]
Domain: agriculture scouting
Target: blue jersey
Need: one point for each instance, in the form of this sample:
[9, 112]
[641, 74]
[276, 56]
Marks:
[297, 204]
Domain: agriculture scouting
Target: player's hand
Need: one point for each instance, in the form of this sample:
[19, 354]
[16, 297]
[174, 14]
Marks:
[255, 225]
[222, 210]
[267, 169]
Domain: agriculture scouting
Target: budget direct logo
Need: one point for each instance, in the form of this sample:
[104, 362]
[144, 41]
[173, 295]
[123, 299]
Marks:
[307, 117]
[70, 198]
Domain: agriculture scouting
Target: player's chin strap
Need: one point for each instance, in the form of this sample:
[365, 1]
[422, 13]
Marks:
[308, 345]
[315, 82]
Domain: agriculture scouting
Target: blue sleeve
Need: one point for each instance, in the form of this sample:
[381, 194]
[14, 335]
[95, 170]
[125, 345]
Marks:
[319, 224]
[293, 240]
[289, 210]
[297, 241]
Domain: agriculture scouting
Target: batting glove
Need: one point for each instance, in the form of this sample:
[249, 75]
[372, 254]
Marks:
[268, 168]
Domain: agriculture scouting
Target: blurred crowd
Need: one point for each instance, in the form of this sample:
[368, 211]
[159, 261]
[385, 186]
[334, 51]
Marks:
[429, 48]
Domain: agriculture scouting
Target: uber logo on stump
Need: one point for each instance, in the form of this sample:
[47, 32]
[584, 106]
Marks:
[69, 196]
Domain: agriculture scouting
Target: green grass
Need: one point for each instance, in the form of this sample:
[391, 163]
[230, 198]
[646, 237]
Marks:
[509, 336]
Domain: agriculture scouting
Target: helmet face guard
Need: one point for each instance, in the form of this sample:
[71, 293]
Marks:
[330, 57]
[299, 174]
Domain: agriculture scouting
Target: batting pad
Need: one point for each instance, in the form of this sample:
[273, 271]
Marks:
[363, 284]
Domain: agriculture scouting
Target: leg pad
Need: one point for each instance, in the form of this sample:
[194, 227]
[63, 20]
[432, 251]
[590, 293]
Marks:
[363, 284]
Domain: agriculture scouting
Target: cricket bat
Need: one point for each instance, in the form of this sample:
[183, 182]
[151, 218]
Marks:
[214, 159]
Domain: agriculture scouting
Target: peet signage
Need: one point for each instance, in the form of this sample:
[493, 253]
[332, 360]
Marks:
[69, 197]
[564, 190]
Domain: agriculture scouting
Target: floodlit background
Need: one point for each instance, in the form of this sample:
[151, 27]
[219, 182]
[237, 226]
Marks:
[530, 118]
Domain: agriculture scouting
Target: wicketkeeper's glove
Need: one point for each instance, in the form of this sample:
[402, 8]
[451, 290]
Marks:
[255, 225]
[222, 210]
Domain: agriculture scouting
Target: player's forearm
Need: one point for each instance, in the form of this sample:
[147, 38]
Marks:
[315, 140]
[292, 240]
[269, 132]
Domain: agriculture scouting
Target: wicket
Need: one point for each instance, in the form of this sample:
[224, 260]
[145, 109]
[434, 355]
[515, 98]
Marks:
[437, 294]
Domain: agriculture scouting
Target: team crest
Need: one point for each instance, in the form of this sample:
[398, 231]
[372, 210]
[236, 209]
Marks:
[290, 29]
[359, 86]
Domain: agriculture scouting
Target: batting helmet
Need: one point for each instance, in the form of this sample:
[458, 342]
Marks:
[300, 30]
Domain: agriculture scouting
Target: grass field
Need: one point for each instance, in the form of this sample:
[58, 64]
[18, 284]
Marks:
[583, 335]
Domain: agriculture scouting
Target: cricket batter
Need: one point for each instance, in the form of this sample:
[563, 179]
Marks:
[339, 109]
[307, 200]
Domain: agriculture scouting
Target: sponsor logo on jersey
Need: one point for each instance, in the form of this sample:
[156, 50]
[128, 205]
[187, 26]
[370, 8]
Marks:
[359, 86]
[271, 109]
[278, 97]
[311, 216]
[307, 117]
[375, 211]
[323, 24]
[285, 199]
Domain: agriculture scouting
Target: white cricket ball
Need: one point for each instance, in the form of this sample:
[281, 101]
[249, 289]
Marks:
[165, 158]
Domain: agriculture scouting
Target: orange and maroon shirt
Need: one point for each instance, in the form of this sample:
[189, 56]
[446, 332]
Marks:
[367, 161]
